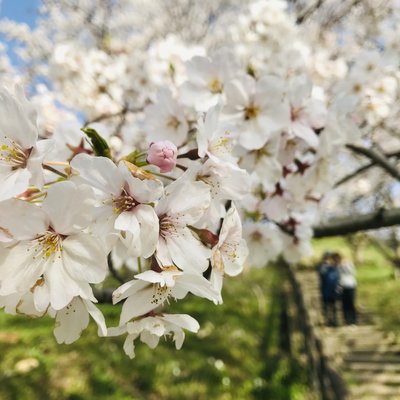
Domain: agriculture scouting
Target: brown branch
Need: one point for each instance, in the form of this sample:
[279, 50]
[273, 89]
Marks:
[308, 12]
[121, 113]
[340, 15]
[113, 271]
[361, 222]
[378, 158]
[362, 169]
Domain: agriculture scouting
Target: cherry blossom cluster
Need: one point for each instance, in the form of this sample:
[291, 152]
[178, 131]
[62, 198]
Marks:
[60, 219]
[149, 152]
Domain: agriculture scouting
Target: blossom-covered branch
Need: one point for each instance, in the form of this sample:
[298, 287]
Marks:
[195, 157]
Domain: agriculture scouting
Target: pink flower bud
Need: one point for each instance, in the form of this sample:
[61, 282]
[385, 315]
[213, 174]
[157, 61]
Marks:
[163, 154]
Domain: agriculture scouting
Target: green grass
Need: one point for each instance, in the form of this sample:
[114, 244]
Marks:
[236, 355]
[378, 291]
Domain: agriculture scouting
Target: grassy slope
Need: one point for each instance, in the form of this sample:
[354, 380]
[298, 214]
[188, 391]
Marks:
[234, 356]
[377, 290]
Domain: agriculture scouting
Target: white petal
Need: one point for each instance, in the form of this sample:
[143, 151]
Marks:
[13, 182]
[41, 296]
[217, 281]
[138, 304]
[305, 132]
[127, 221]
[197, 285]
[128, 289]
[71, 321]
[62, 287]
[20, 268]
[98, 317]
[116, 331]
[188, 199]
[129, 346]
[149, 229]
[150, 339]
[84, 258]
[99, 172]
[182, 320]
[27, 306]
[187, 252]
[179, 338]
[17, 118]
[144, 191]
[22, 219]
[68, 206]
[151, 276]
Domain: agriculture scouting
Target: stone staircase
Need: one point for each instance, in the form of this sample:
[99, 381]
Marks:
[366, 358]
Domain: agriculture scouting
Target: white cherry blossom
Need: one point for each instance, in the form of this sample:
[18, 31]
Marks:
[258, 107]
[184, 204]
[20, 160]
[230, 253]
[150, 329]
[152, 289]
[207, 78]
[59, 251]
[124, 199]
[166, 119]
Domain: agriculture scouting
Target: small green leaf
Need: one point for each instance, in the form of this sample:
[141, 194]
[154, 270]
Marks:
[137, 158]
[98, 143]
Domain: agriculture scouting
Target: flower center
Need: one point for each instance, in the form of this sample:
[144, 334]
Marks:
[47, 244]
[13, 155]
[224, 143]
[125, 202]
[357, 88]
[215, 86]
[167, 226]
[160, 294]
[295, 113]
[251, 111]
[173, 122]
[256, 236]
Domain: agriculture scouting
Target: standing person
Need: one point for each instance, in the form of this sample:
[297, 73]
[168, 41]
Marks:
[348, 284]
[329, 280]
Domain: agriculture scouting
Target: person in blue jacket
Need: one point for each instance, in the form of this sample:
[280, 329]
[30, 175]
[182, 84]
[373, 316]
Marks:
[329, 285]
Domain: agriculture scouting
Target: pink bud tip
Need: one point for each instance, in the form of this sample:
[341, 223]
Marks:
[163, 154]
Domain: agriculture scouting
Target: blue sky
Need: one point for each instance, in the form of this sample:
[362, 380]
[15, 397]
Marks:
[21, 11]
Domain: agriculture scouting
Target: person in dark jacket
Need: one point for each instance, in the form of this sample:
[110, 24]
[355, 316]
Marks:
[329, 283]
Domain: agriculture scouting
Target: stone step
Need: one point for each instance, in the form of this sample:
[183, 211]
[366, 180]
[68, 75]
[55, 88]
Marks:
[371, 367]
[354, 334]
[368, 349]
[380, 347]
[368, 358]
[387, 378]
[364, 396]
[375, 391]
[372, 358]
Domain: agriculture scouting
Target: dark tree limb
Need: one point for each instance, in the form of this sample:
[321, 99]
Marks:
[362, 222]
[113, 271]
[376, 157]
[121, 113]
[362, 169]
[308, 12]
[335, 18]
